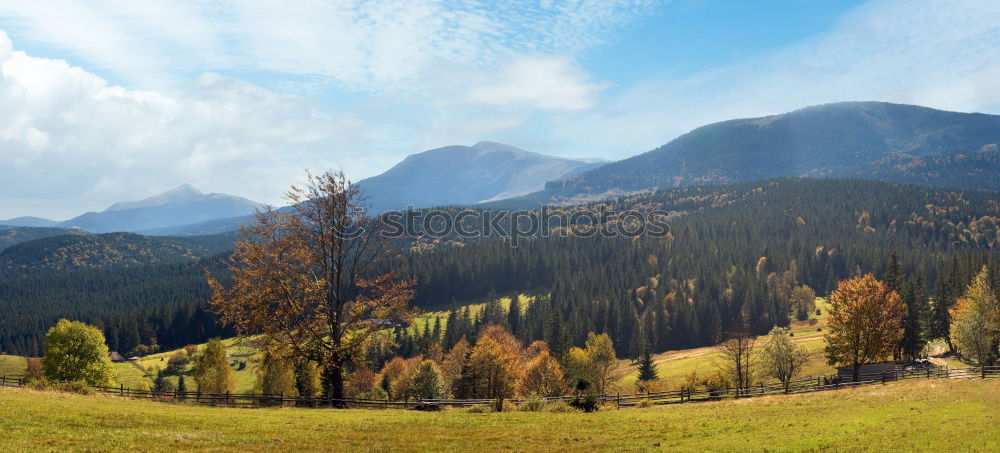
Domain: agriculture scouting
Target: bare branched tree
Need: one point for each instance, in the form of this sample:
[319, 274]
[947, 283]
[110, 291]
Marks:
[738, 355]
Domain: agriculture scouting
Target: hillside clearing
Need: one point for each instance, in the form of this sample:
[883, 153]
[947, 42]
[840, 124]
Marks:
[916, 415]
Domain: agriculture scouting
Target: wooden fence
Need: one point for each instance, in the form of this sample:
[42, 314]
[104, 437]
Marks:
[805, 385]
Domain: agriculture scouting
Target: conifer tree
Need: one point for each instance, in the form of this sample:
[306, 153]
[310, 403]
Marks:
[647, 369]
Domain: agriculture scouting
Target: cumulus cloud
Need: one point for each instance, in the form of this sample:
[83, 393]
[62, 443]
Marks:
[544, 82]
[66, 134]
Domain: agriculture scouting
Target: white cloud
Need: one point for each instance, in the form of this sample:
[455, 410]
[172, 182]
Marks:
[68, 135]
[373, 45]
[542, 82]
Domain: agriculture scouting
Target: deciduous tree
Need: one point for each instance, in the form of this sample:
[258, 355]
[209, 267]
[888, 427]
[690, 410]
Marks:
[427, 382]
[496, 362]
[275, 371]
[865, 323]
[803, 300]
[543, 376]
[783, 359]
[739, 358]
[307, 278]
[212, 371]
[75, 351]
[602, 360]
[975, 322]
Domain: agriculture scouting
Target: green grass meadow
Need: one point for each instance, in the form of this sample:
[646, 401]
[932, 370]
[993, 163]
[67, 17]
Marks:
[934, 415]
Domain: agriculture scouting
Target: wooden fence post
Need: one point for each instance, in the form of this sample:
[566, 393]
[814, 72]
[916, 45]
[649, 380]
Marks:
[121, 389]
[5, 380]
[618, 400]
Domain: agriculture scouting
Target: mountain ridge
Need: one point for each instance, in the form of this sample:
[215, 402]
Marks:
[181, 205]
[460, 174]
[838, 140]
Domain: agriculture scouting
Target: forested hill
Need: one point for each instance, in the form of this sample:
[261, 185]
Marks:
[731, 249]
[908, 143]
[13, 235]
[75, 251]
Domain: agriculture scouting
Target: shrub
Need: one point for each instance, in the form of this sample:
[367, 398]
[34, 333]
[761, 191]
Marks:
[532, 404]
[375, 393]
[588, 403]
[481, 409]
[178, 363]
[645, 402]
[35, 369]
[79, 387]
[558, 406]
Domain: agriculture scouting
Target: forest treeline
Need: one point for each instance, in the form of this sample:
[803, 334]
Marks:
[743, 248]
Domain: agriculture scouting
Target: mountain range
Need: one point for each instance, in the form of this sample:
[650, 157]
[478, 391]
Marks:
[861, 140]
[179, 206]
[864, 140]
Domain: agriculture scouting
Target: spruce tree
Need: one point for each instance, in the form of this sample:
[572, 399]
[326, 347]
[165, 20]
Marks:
[894, 274]
[914, 335]
[514, 316]
[647, 369]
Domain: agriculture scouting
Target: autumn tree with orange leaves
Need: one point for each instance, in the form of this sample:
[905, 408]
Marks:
[307, 278]
[865, 323]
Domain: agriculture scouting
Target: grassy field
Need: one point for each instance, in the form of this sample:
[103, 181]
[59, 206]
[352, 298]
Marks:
[674, 366]
[914, 415]
[12, 365]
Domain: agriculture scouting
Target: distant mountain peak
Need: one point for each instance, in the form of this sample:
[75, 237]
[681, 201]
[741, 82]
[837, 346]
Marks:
[182, 193]
[460, 174]
[178, 206]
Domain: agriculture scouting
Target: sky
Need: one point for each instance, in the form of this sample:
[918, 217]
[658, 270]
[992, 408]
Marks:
[111, 100]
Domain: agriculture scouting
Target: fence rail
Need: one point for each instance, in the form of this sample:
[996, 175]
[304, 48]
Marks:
[805, 385]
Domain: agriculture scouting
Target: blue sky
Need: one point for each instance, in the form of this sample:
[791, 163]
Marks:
[113, 100]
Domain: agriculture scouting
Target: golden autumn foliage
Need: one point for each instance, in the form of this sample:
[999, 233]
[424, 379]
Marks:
[543, 376]
[496, 362]
[306, 278]
[212, 371]
[865, 323]
[975, 321]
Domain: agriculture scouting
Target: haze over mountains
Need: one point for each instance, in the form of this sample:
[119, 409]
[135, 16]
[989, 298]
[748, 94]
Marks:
[179, 206]
[458, 174]
[866, 140]
[863, 140]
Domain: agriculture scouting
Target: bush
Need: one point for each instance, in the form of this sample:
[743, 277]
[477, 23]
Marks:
[178, 363]
[481, 409]
[375, 393]
[558, 406]
[645, 402]
[587, 404]
[79, 387]
[35, 370]
[532, 404]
